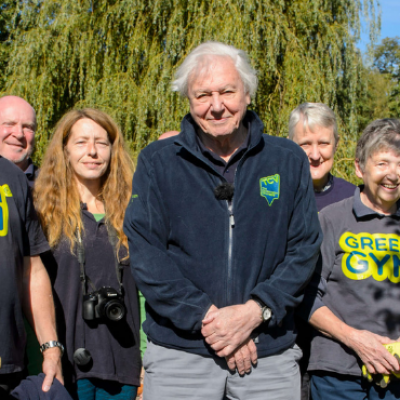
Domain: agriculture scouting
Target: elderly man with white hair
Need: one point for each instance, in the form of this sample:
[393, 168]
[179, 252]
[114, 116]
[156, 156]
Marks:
[224, 236]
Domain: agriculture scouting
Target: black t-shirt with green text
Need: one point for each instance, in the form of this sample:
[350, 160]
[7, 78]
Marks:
[20, 235]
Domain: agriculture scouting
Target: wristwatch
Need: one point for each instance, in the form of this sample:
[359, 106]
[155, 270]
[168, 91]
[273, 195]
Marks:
[266, 312]
[49, 345]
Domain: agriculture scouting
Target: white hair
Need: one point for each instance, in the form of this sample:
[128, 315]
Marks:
[312, 115]
[210, 49]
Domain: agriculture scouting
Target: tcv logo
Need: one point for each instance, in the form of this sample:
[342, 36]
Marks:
[269, 188]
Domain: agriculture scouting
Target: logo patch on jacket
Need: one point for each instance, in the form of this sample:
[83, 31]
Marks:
[269, 188]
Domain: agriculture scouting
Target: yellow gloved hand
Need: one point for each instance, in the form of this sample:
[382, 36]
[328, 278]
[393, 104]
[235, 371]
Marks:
[383, 380]
[394, 349]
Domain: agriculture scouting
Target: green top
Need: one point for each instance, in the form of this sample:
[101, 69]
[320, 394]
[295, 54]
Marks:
[143, 337]
[98, 217]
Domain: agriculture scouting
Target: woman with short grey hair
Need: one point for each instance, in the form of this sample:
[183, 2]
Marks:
[313, 115]
[356, 309]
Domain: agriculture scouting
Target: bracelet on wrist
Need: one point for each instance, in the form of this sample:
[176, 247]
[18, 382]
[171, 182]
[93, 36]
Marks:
[51, 344]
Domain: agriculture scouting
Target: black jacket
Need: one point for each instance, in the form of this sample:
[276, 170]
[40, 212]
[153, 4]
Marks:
[114, 346]
[31, 389]
[189, 250]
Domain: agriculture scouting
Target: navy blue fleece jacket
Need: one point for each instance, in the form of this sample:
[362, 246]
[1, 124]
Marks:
[188, 251]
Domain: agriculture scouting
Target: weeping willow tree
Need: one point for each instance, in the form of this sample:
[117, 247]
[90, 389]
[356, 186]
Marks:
[7, 14]
[120, 55]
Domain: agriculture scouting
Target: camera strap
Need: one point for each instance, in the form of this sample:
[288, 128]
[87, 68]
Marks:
[82, 356]
[113, 239]
[81, 259]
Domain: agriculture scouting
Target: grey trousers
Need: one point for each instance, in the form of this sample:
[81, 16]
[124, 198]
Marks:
[177, 375]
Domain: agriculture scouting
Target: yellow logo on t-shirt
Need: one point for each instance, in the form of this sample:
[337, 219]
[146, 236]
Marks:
[4, 193]
[7, 191]
[376, 255]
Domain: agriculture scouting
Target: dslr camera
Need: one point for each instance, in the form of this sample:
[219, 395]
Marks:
[105, 303]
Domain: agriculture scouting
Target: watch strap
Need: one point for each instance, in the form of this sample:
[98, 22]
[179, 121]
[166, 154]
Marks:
[51, 344]
[266, 312]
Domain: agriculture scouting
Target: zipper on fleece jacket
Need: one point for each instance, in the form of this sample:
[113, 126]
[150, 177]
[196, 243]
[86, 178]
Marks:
[231, 221]
[229, 204]
[230, 248]
[231, 226]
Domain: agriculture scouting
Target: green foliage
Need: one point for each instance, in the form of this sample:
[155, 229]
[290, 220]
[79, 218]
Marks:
[7, 20]
[379, 95]
[377, 102]
[387, 56]
[387, 62]
[120, 55]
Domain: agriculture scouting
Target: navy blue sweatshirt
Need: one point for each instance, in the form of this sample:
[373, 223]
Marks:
[339, 189]
[114, 346]
[189, 250]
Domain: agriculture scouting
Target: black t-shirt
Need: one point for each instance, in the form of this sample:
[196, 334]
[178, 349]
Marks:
[20, 235]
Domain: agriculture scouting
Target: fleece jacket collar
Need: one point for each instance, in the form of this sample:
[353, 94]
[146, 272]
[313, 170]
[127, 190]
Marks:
[188, 136]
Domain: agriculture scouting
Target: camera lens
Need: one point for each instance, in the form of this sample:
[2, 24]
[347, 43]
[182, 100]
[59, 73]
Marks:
[114, 310]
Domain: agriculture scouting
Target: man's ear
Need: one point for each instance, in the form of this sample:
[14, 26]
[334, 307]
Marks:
[359, 171]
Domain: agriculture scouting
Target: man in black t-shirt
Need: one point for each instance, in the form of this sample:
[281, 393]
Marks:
[24, 283]
[17, 140]
[17, 134]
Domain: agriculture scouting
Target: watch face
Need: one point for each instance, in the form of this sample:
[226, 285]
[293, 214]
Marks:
[267, 314]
